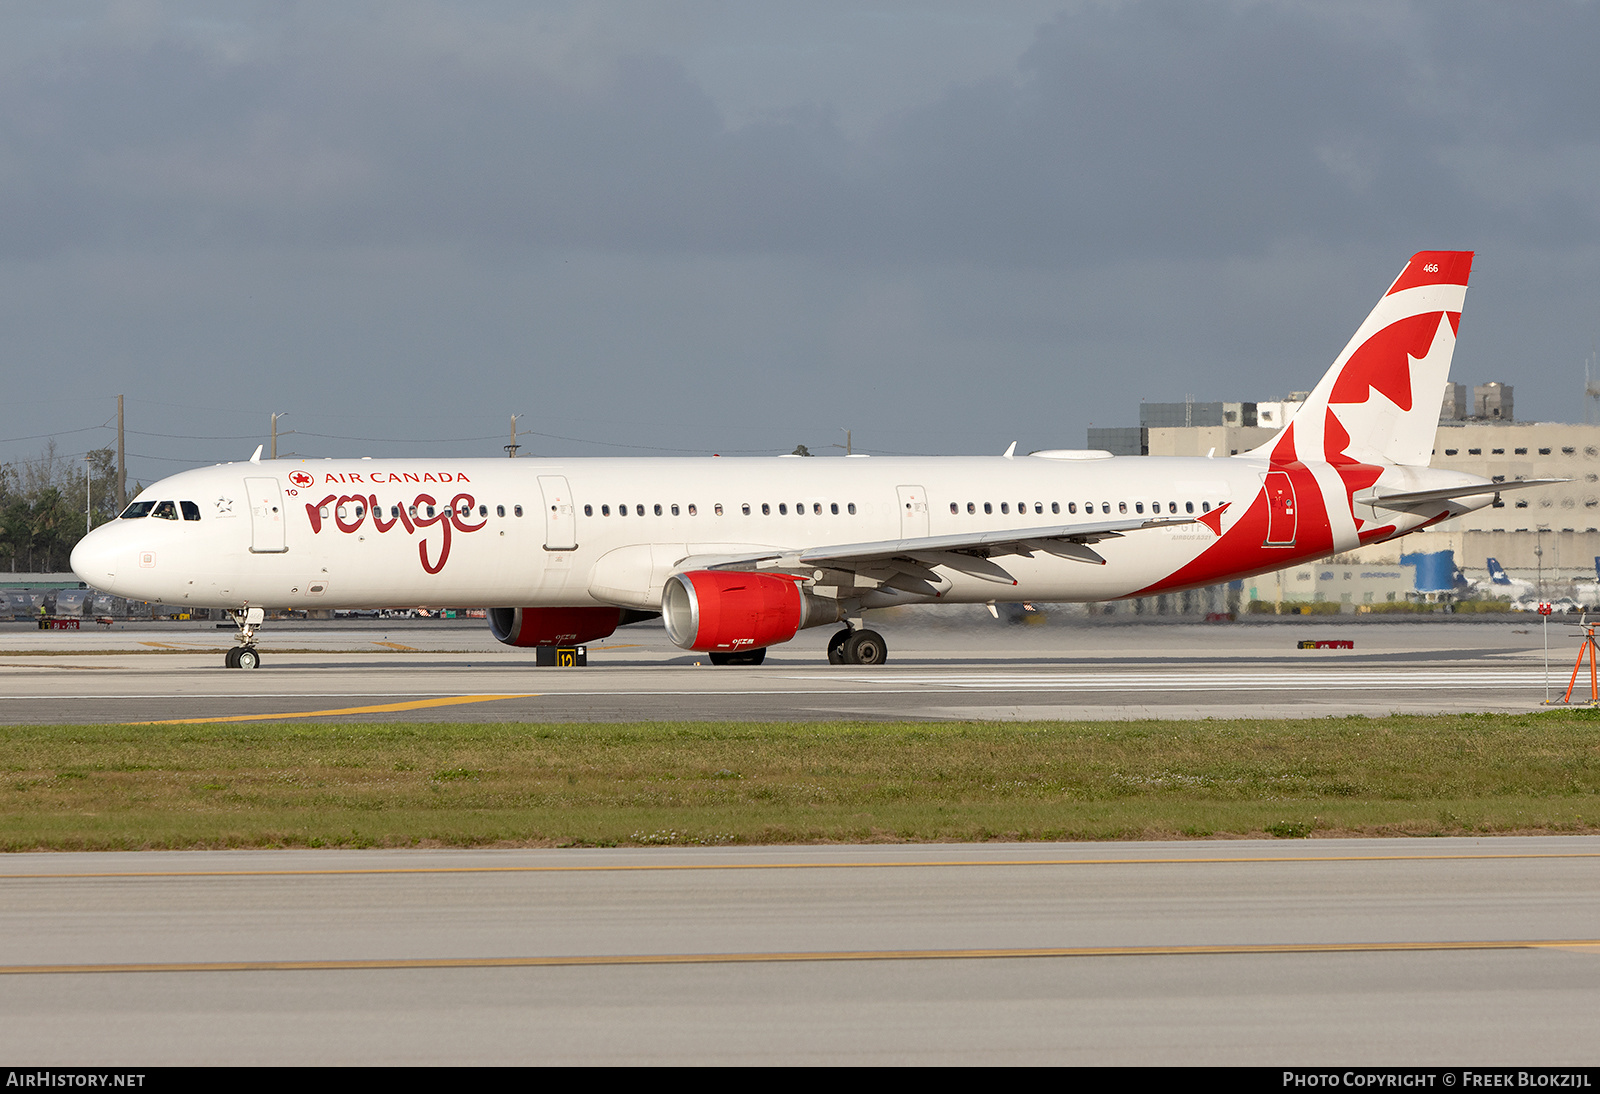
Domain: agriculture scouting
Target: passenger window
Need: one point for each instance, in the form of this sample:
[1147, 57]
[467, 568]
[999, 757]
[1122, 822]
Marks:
[1122, 507]
[1072, 507]
[1205, 507]
[1055, 507]
[658, 509]
[1005, 507]
[394, 512]
[1172, 507]
[605, 511]
[1038, 507]
[499, 511]
[1105, 507]
[588, 510]
[816, 508]
[516, 510]
[191, 511]
[1188, 507]
[412, 509]
[851, 508]
[766, 510]
[638, 511]
[783, 509]
[361, 511]
[834, 508]
[954, 508]
[1138, 507]
[430, 510]
[674, 510]
[745, 508]
[323, 512]
[622, 510]
[988, 509]
[483, 510]
[692, 510]
[166, 511]
[971, 508]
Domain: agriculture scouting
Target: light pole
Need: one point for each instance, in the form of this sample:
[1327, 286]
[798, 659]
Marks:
[88, 498]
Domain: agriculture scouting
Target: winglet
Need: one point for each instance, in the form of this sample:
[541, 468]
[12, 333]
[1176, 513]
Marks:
[1010, 452]
[256, 456]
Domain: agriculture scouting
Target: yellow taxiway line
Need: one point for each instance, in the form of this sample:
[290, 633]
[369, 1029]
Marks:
[1587, 945]
[382, 708]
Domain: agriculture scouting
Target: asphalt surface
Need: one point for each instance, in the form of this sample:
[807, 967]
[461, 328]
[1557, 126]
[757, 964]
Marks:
[1383, 952]
[433, 671]
[1456, 952]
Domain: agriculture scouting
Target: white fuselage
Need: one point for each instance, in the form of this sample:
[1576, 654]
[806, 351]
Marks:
[578, 532]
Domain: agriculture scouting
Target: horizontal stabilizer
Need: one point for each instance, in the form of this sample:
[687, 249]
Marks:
[1417, 498]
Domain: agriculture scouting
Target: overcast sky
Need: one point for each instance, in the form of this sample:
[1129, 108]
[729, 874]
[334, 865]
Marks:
[735, 227]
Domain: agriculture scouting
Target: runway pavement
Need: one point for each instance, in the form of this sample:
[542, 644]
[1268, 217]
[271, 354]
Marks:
[1423, 952]
[428, 671]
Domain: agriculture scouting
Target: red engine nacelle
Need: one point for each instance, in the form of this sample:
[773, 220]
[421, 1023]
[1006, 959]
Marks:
[726, 611]
[552, 626]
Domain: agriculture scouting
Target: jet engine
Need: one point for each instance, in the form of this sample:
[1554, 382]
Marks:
[553, 626]
[730, 611]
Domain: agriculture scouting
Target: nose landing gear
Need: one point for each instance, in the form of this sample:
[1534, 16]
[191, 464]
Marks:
[245, 655]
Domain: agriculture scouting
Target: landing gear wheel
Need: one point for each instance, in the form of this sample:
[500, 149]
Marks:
[865, 648]
[836, 646]
[749, 657]
[248, 658]
[232, 660]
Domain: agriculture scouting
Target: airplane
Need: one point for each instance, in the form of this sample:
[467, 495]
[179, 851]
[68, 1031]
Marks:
[1587, 593]
[740, 554]
[1502, 584]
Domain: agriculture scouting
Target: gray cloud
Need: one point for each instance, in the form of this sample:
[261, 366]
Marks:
[1147, 200]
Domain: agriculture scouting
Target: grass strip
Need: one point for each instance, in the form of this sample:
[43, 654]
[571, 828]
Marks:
[298, 784]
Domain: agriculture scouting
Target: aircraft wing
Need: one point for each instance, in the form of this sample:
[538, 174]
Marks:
[910, 562]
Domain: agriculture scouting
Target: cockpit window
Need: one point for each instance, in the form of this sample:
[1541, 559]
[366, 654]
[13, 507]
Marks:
[166, 510]
[191, 511]
[138, 509]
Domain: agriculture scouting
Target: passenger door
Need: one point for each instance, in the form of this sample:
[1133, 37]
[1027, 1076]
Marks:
[1281, 519]
[560, 516]
[266, 516]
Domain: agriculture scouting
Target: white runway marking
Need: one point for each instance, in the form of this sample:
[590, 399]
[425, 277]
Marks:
[1196, 680]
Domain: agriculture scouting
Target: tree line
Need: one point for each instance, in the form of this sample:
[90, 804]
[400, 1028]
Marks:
[45, 505]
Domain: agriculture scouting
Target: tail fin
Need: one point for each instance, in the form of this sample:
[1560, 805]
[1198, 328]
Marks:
[1379, 403]
[1497, 573]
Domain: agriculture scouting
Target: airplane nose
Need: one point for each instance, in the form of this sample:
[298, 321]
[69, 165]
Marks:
[95, 558]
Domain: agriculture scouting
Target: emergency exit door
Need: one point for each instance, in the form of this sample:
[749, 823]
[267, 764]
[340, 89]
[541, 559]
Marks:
[913, 512]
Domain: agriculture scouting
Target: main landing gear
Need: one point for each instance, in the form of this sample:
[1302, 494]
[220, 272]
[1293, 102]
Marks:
[245, 655]
[853, 647]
